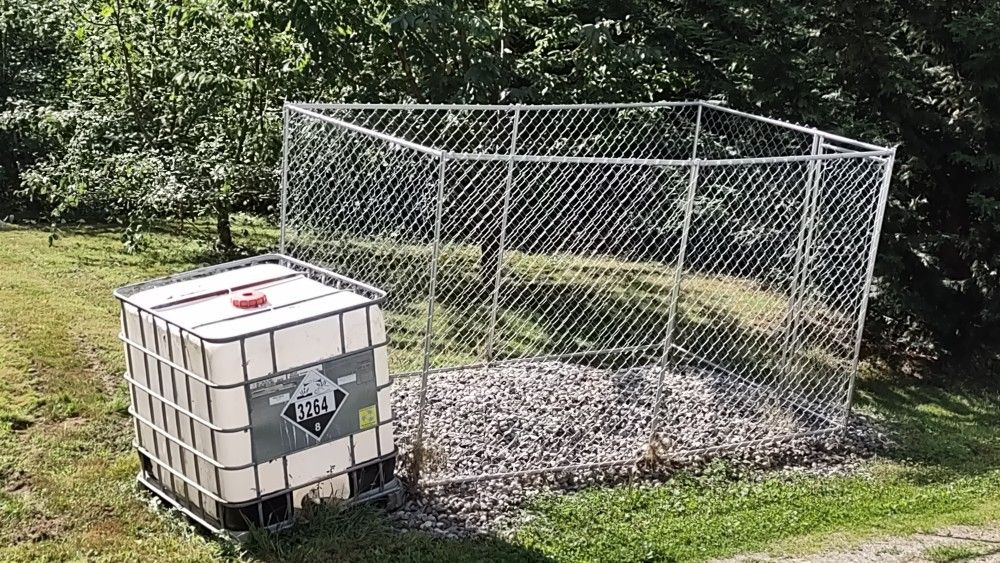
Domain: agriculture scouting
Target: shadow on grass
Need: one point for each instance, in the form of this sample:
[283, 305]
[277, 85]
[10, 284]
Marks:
[363, 533]
[171, 246]
[557, 304]
[942, 433]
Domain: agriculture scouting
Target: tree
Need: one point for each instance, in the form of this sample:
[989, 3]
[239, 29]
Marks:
[136, 110]
[32, 83]
[173, 112]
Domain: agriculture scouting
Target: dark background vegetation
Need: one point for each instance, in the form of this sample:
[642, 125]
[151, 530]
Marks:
[134, 112]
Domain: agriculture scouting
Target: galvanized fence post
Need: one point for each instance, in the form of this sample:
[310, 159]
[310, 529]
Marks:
[418, 443]
[800, 269]
[284, 177]
[668, 340]
[697, 133]
[504, 218]
[866, 292]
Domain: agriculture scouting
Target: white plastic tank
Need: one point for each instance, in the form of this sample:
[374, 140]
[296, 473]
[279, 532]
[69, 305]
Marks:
[258, 386]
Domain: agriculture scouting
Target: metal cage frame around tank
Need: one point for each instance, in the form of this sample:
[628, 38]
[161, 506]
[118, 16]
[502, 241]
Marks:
[425, 160]
[183, 374]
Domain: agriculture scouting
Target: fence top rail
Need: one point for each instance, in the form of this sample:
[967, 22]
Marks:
[795, 127]
[366, 131]
[882, 153]
[493, 107]
[848, 147]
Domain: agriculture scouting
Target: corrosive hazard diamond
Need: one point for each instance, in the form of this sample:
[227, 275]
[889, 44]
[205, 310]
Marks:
[314, 403]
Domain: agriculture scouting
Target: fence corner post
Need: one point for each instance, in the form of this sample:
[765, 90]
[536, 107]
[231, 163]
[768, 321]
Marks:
[668, 339]
[801, 267]
[418, 443]
[504, 219]
[284, 178]
[883, 197]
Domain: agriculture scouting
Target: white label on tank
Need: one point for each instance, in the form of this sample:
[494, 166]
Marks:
[314, 403]
[282, 398]
[347, 379]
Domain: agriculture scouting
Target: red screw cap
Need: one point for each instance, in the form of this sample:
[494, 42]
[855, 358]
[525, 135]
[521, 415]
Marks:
[248, 299]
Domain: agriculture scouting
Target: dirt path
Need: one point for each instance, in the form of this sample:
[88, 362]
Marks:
[959, 543]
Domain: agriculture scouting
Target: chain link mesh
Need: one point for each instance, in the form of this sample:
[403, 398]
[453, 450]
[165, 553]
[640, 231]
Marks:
[580, 286]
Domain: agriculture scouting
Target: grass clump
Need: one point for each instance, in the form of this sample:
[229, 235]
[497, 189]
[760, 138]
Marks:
[362, 533]
[959, 552]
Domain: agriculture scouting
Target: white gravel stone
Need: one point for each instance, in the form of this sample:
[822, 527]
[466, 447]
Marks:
[544, 415]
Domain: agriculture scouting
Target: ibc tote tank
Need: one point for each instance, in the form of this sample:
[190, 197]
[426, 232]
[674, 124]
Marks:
[256, 387]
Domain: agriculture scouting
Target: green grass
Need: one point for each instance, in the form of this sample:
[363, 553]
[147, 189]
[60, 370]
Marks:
[67, 470]
[363, 534]
[945, 471]
[550, 304]
[697, 518]
[65, 463]
[959, 552]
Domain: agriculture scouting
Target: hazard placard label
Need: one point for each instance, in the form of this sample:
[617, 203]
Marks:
[314, 403]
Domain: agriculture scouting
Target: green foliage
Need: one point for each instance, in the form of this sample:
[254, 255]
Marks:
[915, 72]
[170, 110]
[132, 110]
[32, 67]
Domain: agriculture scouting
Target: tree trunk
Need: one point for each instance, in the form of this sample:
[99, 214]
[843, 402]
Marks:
[223, 227]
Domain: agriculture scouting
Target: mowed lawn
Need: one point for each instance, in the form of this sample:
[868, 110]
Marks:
[67, 470]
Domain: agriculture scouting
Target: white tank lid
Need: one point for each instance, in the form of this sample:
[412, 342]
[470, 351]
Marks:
[244, 300]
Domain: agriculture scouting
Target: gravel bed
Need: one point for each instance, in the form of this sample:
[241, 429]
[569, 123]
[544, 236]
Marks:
[545, 415]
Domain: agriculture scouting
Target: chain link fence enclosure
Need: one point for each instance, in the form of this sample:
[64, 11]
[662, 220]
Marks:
[586, 286]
